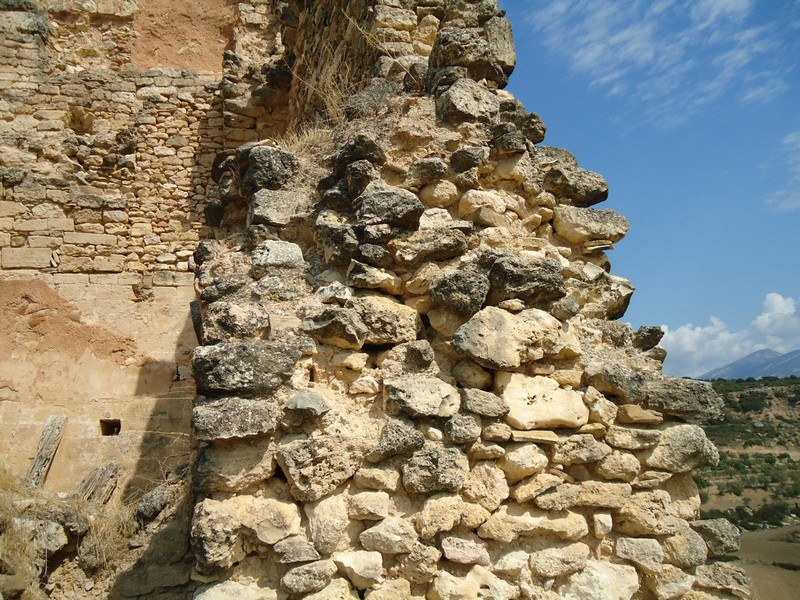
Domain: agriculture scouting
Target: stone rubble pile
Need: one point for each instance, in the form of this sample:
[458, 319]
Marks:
[413, 383]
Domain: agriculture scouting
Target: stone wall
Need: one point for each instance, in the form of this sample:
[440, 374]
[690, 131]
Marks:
[413, 382]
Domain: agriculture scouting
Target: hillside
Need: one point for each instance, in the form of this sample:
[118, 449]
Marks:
[762, 363]
[757, 481]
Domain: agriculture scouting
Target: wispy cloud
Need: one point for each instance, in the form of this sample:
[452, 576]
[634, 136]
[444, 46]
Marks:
[788, 197]
[670, 58]
[693, 350]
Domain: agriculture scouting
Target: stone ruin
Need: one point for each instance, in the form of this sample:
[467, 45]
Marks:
[413, 382]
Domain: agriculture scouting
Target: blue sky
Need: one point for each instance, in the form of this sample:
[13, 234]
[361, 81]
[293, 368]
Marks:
[691, 110]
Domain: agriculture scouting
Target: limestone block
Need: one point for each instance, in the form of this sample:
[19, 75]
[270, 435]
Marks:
[539, 402]
[422, 396]
[26, 258]
[601, 580]
[467, 100]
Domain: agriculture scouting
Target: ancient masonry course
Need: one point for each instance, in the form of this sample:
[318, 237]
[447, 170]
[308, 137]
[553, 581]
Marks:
[411, 376]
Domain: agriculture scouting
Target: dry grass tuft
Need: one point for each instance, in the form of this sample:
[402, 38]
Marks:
[106, 544]
[307, 140]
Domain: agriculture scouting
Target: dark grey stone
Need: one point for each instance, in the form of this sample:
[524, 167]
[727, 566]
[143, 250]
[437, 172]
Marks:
[270, 168]
[233, 418]
[244, 367]
[435, 469]
[462, 429]
[395, 207]
[152, 503]
[399, 438]
[463, 291]
[340, 327]
[531, 281]
[483, 403]
[360, 147]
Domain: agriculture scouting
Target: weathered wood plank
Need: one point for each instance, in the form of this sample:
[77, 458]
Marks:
[99, 484]
[46, 452]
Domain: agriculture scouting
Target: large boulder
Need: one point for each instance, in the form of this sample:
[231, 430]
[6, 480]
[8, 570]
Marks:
[601, 580]
[394, 206]
[694, 401]
[682, 448]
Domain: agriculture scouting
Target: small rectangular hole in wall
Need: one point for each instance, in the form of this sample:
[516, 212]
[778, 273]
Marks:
[110, 426]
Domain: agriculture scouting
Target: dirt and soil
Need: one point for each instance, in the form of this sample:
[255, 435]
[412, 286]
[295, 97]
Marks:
[182, 34]
[760, 554]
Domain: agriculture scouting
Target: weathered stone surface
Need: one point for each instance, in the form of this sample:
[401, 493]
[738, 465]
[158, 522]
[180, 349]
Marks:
[228, 418]
[636, 415]
[328, 520]
[421, 564]
[398, 438]
[462, 429]
[497, 339]
[647, 513]
[538, 402]
[295, 549]
[487, 58]
[686, 549]
[391, 536]
[364, 276]
[521, 461]
[394, 206]
[631, 438]
[681, 449]
[685, 398]
[274, 207]
[646, 553]
[514, 520]
[486, 485]
[619, 465]
[483, 403]
[387, 321]
[376, 478]
[463, 291]
[479, 582]
[390, 589]
[368, 506]
[230, 322]
[316, 466]
[270, 168]
[418, 395]
[338, 589]
[304, 407]
[601, 580]
[531, 281]
[564, 179]
[363, 569]
[725, 577]
[415, 357]
[276, 254]
[233, 590]
[557, 558]
[467, 100]
[434, 469]
[337, 326]
[218, 525]
[245, 368]
[444, 512]
[233, 467]
[427, 245]
[721, 536]
[534, 486]
[360, 147]
[465, 551]
[585, 225]
[469, 375]
[580, 449]
[669, 582]
[312, 577]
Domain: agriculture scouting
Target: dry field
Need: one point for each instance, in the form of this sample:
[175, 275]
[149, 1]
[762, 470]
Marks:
[758, 555]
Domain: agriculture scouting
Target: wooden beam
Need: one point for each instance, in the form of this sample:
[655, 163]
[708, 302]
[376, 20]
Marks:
[46, 452]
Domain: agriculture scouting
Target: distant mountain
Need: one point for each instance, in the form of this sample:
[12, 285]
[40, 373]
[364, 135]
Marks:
[763, 363]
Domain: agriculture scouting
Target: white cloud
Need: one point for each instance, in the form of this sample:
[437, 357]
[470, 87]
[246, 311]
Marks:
[669, 58]
[788, 197]
[693, 350]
